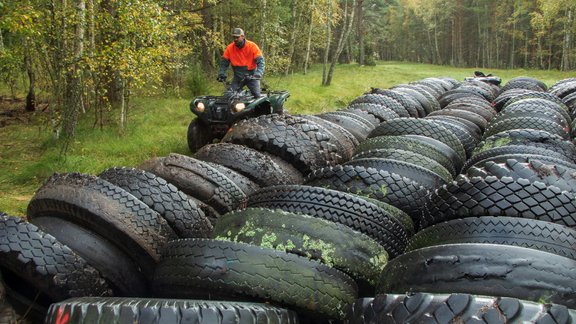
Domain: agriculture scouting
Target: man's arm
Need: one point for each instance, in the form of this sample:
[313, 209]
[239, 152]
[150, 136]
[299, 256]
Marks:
[260, 66]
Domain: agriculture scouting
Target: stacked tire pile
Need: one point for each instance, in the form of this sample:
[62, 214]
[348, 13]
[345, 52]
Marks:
[306, 213]
[504, 227]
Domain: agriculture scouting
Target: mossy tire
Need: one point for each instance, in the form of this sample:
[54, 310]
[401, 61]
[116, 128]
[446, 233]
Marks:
[333, 244]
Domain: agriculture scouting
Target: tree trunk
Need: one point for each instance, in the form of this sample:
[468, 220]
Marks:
[512, 52]
[263, 26]
[346, 28]
[292, 36]
[31, 96]
[73, 93]
[309, 43]
[565, 63]
[360, 30]
[328, 41]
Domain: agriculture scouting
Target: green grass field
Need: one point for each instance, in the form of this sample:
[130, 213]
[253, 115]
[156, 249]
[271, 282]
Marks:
[157, 125]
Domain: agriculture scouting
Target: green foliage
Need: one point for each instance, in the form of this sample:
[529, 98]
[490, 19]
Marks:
[196, 81]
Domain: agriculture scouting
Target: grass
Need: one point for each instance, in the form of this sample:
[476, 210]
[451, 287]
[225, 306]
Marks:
[157, 125]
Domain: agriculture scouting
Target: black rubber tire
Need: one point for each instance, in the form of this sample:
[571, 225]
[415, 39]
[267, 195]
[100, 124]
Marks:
[343, 139]
[387, 187]
[520, 84]
[359, 115]
[514, 149]
[526, 122]
[466, 139]
[529, 137]
[109, 211]
[564, 89]
[533, 170]
[192, 268]
[427, 100]
[423, 176]
[406, 156]
[198, 135]
[455, 308]
[259, 167]
[545, 112]
[423, 105]
[244, 183]
[296, 140]
[352, 125]
[384, 101]
[420, 126]
[333, 244]
[484, 269]
[404, 219]
[553, 104]
[505, 96]
[114, 265]
[440, 153]
[529, 233]
[405, 101]
[492, 196]
[339, 207]
[537, 82]
[473, 129]
[167, 311]
[182, 214]
[431, 87]
[471, 116]
[486, 111]
[381, 112]
[199, 179]
[38, 270]
[526, 158]
[537, 95]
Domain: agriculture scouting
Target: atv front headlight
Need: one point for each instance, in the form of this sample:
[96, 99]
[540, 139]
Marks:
[238, 107]
[200, 106]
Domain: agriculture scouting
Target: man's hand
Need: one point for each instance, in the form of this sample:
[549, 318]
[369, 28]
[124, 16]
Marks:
[221, 78]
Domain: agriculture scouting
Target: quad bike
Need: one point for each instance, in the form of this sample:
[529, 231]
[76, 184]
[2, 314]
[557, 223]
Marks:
[216, 114]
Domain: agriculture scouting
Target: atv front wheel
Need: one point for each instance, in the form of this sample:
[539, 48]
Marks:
[198, 135]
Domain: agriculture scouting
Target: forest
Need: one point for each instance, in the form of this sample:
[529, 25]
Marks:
[88, 57]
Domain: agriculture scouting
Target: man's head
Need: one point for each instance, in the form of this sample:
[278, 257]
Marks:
[238, 35]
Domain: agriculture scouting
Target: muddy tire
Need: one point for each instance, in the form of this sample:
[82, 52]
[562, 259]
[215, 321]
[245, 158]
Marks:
[38, 270]
[455, 308]
[296, 140]
[381, 112]
[484, 269]
[331, 243]
[343, 139]
[336, 206]
[198, 179]
[202, 268]
[139, 310]
[106, 209]
[198, 135]
[258, 166]
[183, 215]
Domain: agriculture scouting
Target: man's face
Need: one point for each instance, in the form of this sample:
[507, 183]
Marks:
[238, 40]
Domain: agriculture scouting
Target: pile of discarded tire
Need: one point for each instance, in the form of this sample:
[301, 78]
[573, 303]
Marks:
[435, 200]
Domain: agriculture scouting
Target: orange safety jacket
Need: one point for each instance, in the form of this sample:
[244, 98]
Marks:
[245, 60]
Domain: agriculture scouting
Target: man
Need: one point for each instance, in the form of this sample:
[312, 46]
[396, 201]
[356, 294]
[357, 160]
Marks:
[247, 63]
